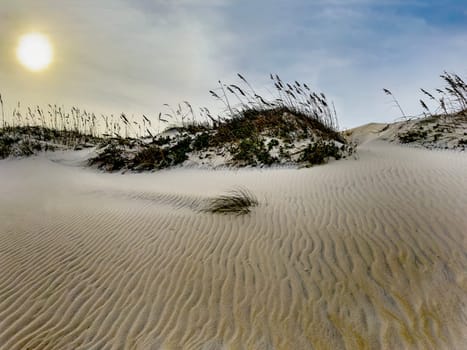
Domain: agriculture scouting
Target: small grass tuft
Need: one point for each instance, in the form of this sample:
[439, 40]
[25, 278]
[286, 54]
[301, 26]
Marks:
[237, 201]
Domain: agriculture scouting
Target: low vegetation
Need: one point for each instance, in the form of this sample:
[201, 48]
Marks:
[23, 141]
[257, 131]
[237, 201]
[444, 119]
[294, 125]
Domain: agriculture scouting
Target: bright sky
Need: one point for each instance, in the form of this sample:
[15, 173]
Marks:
[133, 56]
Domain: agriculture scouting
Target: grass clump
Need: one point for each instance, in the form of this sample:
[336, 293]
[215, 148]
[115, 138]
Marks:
[237, 201]
[294, 98]
[450, 100]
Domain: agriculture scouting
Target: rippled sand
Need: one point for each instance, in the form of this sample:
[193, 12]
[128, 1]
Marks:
[358, 254]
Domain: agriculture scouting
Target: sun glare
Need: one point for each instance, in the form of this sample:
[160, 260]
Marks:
[34, 51]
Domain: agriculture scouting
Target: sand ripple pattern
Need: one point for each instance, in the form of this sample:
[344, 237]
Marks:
[357, 254]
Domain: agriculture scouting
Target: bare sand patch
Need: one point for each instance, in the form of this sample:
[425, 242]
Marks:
[357, 254]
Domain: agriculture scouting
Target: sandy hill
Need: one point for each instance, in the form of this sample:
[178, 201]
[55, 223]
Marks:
[432, 132]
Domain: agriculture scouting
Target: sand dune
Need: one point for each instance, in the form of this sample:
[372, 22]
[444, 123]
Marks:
[357, 254]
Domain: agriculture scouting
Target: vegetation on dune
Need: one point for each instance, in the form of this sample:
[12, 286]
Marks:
[28, 140]
[112, 159]
[34, 130]
[252, 131]
[443, 112]
[294, 125]
[318, 152]
[451, 100]
[439, 131]
[295, 98]
[237, 201]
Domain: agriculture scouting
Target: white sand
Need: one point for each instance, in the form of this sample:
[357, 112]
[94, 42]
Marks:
[357, 254]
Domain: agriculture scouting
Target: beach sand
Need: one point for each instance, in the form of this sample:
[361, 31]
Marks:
[366, 253]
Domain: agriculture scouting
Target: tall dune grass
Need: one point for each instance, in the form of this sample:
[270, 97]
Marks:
[292, 112]
[242, 100]
[449, 100]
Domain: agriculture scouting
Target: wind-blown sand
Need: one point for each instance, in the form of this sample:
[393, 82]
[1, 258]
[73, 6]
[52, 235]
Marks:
[357, 254]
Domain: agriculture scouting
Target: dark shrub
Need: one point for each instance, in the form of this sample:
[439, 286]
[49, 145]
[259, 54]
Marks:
[150, 157]
[178, 153]
[162, 141]
[319, 152]
[110, 159]
[252, 151]
[272, 143]
[412, 136]
[246, 151]
[201, 141]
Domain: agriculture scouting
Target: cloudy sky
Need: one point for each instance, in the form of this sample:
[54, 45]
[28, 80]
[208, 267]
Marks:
[133, 56]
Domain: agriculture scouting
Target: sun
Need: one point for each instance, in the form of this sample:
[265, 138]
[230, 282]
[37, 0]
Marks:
[34, 51]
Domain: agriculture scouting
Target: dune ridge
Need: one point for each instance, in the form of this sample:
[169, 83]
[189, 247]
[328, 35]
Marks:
[357, 254]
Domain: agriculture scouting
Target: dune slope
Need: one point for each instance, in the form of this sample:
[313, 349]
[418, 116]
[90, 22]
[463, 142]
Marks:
[357, 254]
